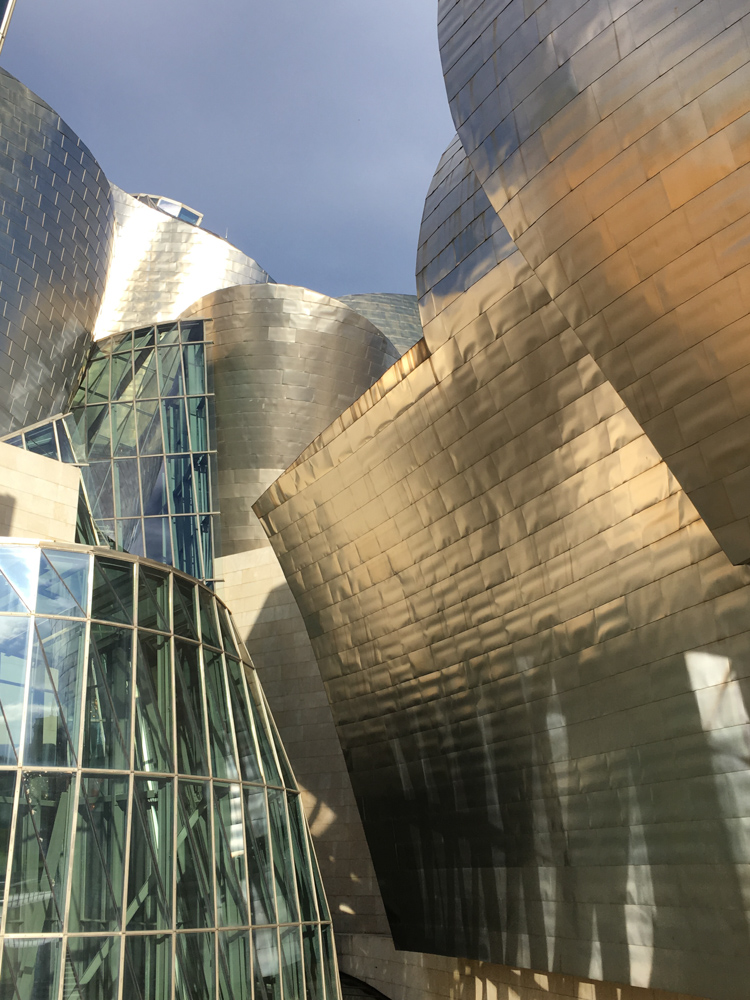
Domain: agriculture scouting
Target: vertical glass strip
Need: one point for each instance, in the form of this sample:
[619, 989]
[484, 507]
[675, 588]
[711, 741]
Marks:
[266, 964]
[151, 854]
[92, 968]
[282, 860]
[148, 968]
[153, 704]
[107, 727]
[229, 840]
[259, 856]
[195, 905]
[195, 967]
[14, 641]
[31, 968]
[291, 962]
[235, 967]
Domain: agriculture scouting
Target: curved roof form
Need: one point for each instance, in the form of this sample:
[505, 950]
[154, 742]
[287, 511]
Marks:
[161, 264]
[397, 316]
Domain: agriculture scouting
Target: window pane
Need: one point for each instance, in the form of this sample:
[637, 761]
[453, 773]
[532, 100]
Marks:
[243, 732]
[31, 968]
[235, 972]
[194, 967]
[195, 906]
[127, 488]
[282, 860]
[267, 979]
[153, 599]
[154, 486]
[107, 732]
[146, 378]
[14, 644]
[148, 968]
[175, 426]
[191, 737]
[42, 441]
[123, 430]
[185, 622]
[180, 479]
[231, 883]
[112, 598]
[92, 968]
[219, 722]
[153, 704]
[158, 539]
[170, 371]
[7, 790]
[259, 856]
[151, 854]
[99, 855]
[291, 962]
[209, 630]
[195, 380]
[149, 427]
[200, 477]
[313, 971]
[98, 433]
[197, 411]
[305, 889]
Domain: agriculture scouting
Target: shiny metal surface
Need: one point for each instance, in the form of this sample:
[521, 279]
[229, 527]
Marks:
[612, 138]
[56, 233]
[162, 264]
[6, 12]
[535, 650]
[397, 316]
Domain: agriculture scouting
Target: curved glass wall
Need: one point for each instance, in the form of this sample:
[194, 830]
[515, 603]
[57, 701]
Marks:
[141, 429]
[152, 842]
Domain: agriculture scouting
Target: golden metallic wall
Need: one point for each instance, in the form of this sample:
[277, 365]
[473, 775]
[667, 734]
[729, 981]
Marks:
[536, 652]
[613, 138]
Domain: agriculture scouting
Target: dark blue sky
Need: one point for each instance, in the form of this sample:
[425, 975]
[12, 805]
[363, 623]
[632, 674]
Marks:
[309, 130]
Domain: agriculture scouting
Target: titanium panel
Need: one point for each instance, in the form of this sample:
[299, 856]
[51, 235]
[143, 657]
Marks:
[397, 316]
[612, 138]
[162, 264]
[56, 235]
[536, 653]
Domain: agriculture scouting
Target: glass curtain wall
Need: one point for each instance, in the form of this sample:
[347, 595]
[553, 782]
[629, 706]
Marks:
[152, 841]
[141, 428]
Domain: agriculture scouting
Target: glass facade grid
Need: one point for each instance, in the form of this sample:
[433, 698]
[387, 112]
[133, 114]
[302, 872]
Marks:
[141, 428]
[124, 875]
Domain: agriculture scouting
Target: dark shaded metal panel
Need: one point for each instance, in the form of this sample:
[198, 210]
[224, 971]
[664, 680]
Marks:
[397, 316]
[56, 235]
[612, 140]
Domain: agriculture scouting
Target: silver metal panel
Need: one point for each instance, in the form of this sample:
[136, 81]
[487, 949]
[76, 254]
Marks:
[612, 138]
[397, 316]
[161, 265]
[56, 234]
[535, 650]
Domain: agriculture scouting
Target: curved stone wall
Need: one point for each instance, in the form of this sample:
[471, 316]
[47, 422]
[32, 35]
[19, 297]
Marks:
[56, 234]
[535, 651]
[162, 264]
[613, 141]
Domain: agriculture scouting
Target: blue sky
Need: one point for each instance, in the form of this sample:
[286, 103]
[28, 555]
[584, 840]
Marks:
[309, 131]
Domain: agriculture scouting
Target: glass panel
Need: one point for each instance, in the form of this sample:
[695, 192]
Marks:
[184, 609]
[194, 967]
[200, 478]
[31, 968]
[180, 478]
[305, 891]
[77, 444]
[130, 536]
[36, 895]
[209, 630]
[53, 597]
[258, 855]
[122, 376]
[311, 952]
[186, 545]
[42, 441]
[99, 855]
[170, 371]
[175, 425]
[158, 539]
[92, 968]
[15, 442]
[231, 882]
[148, 968]
[113, 590]
[195, 906]
[149, 427]
[21, 566]
[97, 381]
[153, 704]
[226, 630]
[270, 767]
[146, 379]
[143, 337]
[63, 440]
[86, 532]
[219, 721]
[323, 910]
[151, 853]
[53, 713]
[197, 414]
[195, 378]
[7, 790]
[73, 570]
[245, 743]
[282, 860]
[281, 756]
[98, 480]
[9, 599]
[123, 430]
[14, 644]
[291, 962]
[167, 333]
[235, 972]
[191, 736]
[154, 484]
[267, 979]
[333, 990]
[127, 488]
[107, 729]
[207, 548]
[191, 329]
[153, 599]
[98, 433]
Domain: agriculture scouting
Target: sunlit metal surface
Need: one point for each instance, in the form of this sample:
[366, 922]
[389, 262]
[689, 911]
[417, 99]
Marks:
[613, 141]
[56, 233]
[162, 264]
[535, 650]
[397, 316]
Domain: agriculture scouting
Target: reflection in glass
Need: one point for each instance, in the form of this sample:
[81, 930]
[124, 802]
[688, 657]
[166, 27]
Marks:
[234, 963]
[305, 889]
[148, 968]
[266, 951]
[231, 884]
[36, 894]
[259, 856]
[99, 855]
[14, 641]
[219, 719]
[53, 713]
[151, 853]
[153, 704]
[313, 971]
[194, 967]
[191, 734]
[31, 968]
[195, 905]
[282, 860]
[291, 962]
[7, 791]
[107, 728]
[153, 599]
[112, 599]
[92, 968]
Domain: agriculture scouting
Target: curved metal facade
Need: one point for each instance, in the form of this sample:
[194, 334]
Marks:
[162, 264]
[535, 650]
[287, 361]
[397, 316]
[56, 235]
[613, 141]
[152, 827]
